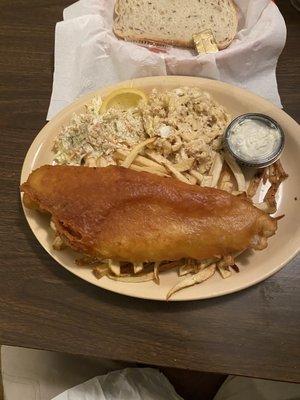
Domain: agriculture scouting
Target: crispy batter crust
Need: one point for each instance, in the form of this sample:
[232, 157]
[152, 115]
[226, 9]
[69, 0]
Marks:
[125, 215]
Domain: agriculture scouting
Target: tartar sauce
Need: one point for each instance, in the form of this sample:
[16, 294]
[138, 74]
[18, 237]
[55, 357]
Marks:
[252, 139]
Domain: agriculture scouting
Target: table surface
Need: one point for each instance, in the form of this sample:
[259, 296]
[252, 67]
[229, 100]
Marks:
[255, 332]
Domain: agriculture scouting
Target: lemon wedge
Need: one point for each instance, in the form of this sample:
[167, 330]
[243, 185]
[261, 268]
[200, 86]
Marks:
[123, 99]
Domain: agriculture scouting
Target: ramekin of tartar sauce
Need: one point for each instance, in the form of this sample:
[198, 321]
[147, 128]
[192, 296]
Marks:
[255, 140]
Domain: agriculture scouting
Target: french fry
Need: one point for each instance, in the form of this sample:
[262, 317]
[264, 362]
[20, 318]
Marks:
[87, 261]
[207, 181]
[197, 175]
[193, 280]
[160, 159]
[169, 265]
[137, 267]
[58, 244]
[184, 165]
[135, 151]
[226, 261]
[188, 267]
[133, 279]
[216, 168]
[280, 171]
[254, 183]
[191, 178]
[156, 273]
[237, 193]
[270, 197]
[224, 265]
[225, 177]
[52, 226]
[224, 271]
[276, 175]
[101, 162]
[90, 161]
[227, 186]
[100, 271]
[237, 172]
[145, 162]
[151, 170]
[203, 264]
[265, 176]
[177, 174]
[140, 160]
[264, 206]
[272, 174]
[192, 266]
[114, 267]
[185, 269]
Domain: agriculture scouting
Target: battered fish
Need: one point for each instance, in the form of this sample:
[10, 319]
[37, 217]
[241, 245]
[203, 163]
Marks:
[125, 215]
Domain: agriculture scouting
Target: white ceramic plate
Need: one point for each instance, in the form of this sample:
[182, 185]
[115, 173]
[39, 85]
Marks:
[254, 266]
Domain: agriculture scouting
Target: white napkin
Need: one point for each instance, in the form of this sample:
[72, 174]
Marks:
[88, 56]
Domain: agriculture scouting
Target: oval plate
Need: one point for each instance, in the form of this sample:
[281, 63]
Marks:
[254, 266]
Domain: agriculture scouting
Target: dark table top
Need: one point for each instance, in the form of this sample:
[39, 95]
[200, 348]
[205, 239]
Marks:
[255, 332]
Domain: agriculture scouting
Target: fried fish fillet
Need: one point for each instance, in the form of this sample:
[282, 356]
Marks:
[125, 215]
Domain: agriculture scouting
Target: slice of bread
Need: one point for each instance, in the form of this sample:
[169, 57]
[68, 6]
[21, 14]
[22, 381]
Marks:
[173, 22]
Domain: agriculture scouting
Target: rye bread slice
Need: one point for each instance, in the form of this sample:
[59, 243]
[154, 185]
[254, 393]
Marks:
[173, 22]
